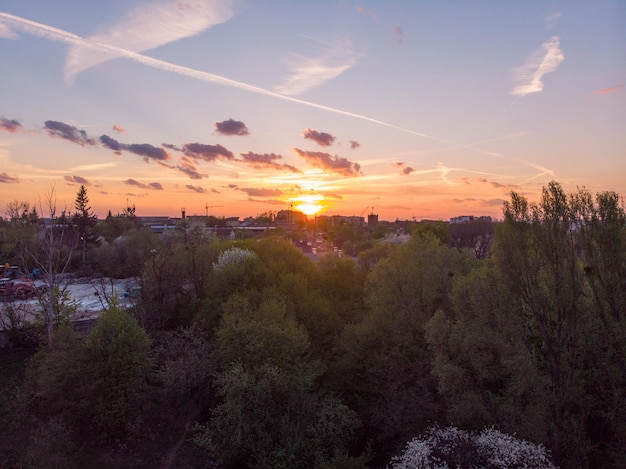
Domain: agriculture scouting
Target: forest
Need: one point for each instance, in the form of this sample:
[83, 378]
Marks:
[507, 350]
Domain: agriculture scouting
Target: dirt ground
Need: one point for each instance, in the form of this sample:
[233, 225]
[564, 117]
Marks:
[90, 296]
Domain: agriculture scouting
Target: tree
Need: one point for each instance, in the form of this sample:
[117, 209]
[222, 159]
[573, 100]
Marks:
[484, 369]
[452, 447]
[52, 253]
[95, 384]
[556, 257]
[85, 221]
[270, 414]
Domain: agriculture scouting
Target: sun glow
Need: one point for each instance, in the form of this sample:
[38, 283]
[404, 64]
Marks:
[309, 204]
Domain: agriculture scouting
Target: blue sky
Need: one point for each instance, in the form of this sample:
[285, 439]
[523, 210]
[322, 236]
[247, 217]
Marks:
[422, 110]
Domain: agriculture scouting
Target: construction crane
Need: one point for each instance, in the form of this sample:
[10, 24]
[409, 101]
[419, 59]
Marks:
[207, 207]
[365, 210]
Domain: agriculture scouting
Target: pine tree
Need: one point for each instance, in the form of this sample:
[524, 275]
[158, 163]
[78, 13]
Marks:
[85, 220]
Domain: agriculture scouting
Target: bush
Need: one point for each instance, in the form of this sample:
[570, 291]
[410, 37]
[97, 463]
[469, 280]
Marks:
[453, 448]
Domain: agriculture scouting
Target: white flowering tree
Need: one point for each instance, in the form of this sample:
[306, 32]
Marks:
[232, 257]
[452, 448]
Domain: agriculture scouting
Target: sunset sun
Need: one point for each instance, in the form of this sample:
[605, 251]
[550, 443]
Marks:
[309, 204]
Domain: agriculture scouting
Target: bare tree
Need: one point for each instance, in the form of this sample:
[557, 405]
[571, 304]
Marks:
[52, 253]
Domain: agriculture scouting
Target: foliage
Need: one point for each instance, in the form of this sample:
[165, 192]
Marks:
[548, 254]
[95, 386]
[231, 258]
[270, 414]
[117, 351]
[483, 367]
[63, 306]
[449, 447]
[85, 221]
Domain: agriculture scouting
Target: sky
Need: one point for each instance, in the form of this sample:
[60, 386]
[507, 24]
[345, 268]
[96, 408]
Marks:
[407, 109]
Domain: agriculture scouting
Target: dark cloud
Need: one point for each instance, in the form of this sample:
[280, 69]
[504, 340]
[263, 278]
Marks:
[198, 189]
[149, 152]
[119, 129]
[266, 160]
[10, 125]
[186, 166]
[354, 144]
[231, 127]
[200, 151]
[330, 163]
[77, 180]
[330, 195]
[404, 169]
[498, 185]
[232, 186]
[169, 146]
[4, 177]
[153, 185]
[322, 138]
[398, 34]
[260, 192]
[69, 132]
[267, 201]
[481, 202]
[111, 143]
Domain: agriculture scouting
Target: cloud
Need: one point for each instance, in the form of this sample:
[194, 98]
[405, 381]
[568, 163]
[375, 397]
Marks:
[260, 192]
[544, 60]
[329, 163]
[55, 34]
[323, 139]
[186, 166]
[69, 132]
[142, 149]
[145, 27]
[198, 189]
[552, 18]
[609, 90]
[498, 185]
[231, 127]
[72, 180]
[330, 61]
[266, 160]
[200, 151]
[366, 12]
[398, 34]
[5, 178]
[404, 169]
[119, 129]
[10, 125]
[170, 146]
[153, 185]
[6, 32]
[354, 144]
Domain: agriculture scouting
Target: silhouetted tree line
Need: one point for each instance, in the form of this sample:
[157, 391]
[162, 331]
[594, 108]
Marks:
[249, 354]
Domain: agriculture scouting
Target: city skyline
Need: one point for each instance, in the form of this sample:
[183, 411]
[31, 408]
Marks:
[425, 111]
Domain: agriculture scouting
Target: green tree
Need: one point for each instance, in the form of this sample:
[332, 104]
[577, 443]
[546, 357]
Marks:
[550, 254]
[118, 361]
[484, 369]
[270, 414]
[85, 221]
[384, 363]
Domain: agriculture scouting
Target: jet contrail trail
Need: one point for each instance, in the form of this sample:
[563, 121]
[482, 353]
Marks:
[55, 34]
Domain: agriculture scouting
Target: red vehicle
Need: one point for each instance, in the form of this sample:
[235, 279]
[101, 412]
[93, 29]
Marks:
[16, 290]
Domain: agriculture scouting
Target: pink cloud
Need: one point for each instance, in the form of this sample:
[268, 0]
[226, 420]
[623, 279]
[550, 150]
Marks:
[609, 90]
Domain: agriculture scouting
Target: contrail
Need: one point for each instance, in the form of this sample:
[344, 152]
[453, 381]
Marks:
[55, 34]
